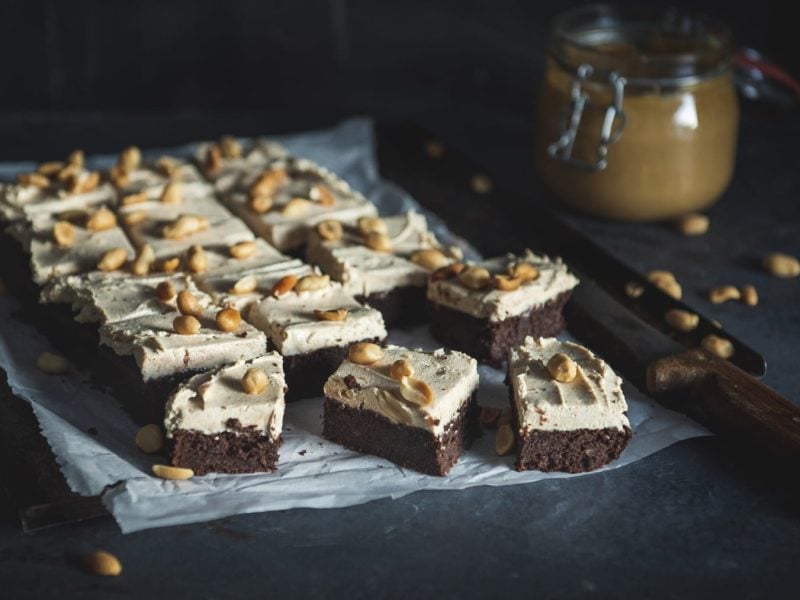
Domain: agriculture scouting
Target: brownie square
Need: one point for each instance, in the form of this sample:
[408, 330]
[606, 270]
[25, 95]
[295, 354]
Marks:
[573, 426]
[367, 410]
[485, 309]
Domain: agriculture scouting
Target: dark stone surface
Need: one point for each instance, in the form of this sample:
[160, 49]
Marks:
[697, 520]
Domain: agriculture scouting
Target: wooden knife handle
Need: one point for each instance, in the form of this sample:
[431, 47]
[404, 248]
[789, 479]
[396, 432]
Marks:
[730, 399]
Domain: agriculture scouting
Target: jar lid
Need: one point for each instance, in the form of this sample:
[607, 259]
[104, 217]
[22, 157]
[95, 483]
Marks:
[644, 45]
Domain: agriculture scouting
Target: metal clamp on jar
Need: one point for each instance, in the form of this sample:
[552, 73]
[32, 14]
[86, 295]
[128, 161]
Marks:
[638, 115]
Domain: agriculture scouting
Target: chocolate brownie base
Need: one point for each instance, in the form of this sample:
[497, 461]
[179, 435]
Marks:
[306, 374]
[411, 447]
[489, 341]
[400, 307]
[574, 451]
[144, 401]
[226, 452]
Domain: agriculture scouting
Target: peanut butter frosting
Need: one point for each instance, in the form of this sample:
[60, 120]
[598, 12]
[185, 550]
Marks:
[160, 351]
[214, 402]
[110, 297]
[496, 305]
[287, 229]
[152, 179]
[593, 400]
[451, 375]
[364, 271]
[292, 327]
[27, 201]
[255, 154]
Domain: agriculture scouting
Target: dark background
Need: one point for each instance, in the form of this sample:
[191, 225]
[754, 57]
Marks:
[340, 56]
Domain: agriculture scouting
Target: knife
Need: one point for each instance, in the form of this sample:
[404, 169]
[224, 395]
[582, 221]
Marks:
[629, 333]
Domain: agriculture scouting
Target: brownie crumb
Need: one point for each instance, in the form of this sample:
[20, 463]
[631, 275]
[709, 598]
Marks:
[351, 382]
[302, 452]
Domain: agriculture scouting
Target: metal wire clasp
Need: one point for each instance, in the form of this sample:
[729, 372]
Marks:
[561, 149]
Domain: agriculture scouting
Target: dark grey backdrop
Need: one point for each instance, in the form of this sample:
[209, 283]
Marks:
[341, 55]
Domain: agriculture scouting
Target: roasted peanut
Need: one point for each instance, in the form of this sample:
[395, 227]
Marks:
[172, 193]
[434, 149]
[336, 314]
[63, 234]
[692, 224]
[113, 259]
[185, 225]
[230, 147]
[430, 259]
[284, 285]
[229, 319]
[475, 278]
[102, 563]
[330, 230]
[52, 364]
[269, 182]
[416, 391]
[562, 368]
[150, 439]
[505, 283]
[367, 225]
[50, 168]
[166, 165]
[246, 285]
[379, 242]
[168, 472]
[254, 381]
[490, 415]
[447, 272]
[681, 320]
[243, 250]
[723, 293]
[666, 282]
[524, 271]
[717, 346]
[480, 183]
[749, 295]
[188, 305]
[782, 265]
[322, 195]
[401, 368]
[633, 289]
[296, 207]
[213, 161]
[165, 291]
[186, 325]
[312, 283]
[33, 180]
[364, 353]
[504, 440]
[135, 198]
[260, 204]
[101, 220]
[168, 265]
[118, 176]
[130, 159]
[144, 260]
[75, 158]
[196, 261]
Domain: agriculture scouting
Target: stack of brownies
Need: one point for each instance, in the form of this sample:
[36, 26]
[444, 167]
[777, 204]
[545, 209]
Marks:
[180, 283]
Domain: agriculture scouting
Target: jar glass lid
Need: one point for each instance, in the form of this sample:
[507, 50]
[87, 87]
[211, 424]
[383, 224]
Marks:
[642, 44]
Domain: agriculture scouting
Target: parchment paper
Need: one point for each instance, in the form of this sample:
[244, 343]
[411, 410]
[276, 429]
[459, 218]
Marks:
[92, 437]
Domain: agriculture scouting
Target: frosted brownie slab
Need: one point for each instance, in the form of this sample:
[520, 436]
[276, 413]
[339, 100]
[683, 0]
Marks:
[382, 261]
[54, 187]
[422, 421]
[224, 160]
[283, 201]
[574, 425]
[222, 422]
[311, 321]
[484, 309]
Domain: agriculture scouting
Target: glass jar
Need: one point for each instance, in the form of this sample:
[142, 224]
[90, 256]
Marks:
[638, 113]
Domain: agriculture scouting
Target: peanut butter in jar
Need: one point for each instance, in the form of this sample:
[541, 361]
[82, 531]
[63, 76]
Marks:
[638, 117]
